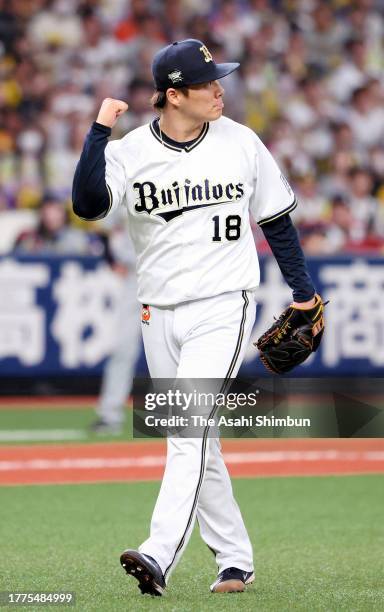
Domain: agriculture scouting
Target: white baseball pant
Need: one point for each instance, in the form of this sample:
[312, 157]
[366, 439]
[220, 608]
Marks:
[199, 339]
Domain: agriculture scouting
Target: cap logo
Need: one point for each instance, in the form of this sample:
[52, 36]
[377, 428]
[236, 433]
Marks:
[207, 55]
[175, 76]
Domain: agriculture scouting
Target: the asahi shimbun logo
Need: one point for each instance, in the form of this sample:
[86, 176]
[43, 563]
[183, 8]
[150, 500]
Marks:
[170, 201]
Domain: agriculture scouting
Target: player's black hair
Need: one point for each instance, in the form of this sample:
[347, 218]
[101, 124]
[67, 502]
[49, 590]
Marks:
[159, 98]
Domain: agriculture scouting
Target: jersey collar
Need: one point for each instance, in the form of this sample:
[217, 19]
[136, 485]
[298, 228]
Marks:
[173, 144]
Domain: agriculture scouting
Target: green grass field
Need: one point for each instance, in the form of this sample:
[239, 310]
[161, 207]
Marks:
[318, 545]
[55, 418]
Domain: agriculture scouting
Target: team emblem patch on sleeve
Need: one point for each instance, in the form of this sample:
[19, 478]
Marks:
[175, 76]
[145, 314]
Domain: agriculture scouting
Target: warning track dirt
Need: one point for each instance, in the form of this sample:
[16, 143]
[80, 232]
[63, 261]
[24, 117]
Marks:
[120, 462]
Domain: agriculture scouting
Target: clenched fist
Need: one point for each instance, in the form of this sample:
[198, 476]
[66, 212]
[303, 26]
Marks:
[110, 110]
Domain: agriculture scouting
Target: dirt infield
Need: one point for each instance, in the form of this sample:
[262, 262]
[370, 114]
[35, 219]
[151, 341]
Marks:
[120, 462]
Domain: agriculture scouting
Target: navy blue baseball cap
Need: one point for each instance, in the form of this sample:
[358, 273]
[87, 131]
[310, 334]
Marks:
[187, 62]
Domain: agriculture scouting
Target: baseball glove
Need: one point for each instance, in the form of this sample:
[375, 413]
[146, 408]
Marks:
[292, 338]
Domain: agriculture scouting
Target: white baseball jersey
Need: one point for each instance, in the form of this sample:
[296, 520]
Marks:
[188, 209]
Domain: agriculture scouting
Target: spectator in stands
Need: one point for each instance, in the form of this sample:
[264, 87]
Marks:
[227, 28]
[313, 206]
[366, 118]
[345, 232]
[342, 229]
[128, 27]
[351, 73]
[362, 203]
[294, 63]
[140, 111]
[325, 35]
[336, 181]
[199, 27]
[53, 234]
[314, 239]
[342, 136]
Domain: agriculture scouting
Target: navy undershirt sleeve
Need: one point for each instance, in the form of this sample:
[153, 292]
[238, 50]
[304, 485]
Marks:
[90, 195]
[282, 237]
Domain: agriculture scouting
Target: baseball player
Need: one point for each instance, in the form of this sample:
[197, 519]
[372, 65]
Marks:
[189, 180]
[120, 367]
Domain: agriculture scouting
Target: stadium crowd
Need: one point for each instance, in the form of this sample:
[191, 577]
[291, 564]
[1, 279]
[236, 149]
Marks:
[310, 84]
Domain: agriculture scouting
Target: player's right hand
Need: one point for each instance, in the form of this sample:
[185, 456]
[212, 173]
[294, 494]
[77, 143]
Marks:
[110, 111]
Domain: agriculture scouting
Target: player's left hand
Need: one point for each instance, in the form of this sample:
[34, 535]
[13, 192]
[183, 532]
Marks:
[293, 337]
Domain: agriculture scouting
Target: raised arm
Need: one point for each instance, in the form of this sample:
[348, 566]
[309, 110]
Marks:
[99, 178]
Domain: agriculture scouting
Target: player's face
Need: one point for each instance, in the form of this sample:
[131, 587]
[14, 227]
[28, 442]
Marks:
[204, 102]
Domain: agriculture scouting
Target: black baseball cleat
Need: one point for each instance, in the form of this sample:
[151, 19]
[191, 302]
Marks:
[146, 570]
[232, 580]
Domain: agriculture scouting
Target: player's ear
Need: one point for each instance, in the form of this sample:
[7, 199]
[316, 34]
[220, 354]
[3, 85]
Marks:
[173, 96]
